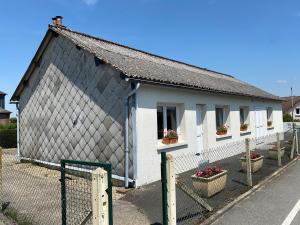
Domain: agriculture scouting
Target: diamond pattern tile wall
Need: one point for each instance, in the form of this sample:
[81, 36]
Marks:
[72, 109]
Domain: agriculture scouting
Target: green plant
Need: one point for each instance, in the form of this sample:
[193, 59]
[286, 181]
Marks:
[222, 129]
[8, 126]
[171, 134]
[287, 118]
[8, 138]
[13, 120]
[244, 126]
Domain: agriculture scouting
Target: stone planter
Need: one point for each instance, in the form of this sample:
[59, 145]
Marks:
[256, 164]
[208, 187]
[273, 153]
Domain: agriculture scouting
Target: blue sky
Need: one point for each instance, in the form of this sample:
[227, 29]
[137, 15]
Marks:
[256, 41]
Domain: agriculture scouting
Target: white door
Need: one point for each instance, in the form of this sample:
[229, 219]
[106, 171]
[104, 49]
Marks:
[199, 124]
[259, 124]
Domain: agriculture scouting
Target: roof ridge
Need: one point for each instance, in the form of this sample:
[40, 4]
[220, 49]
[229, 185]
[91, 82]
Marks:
[141, 51]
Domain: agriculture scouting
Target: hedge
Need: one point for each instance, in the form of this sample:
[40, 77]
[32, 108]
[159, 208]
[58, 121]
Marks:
[8, 138]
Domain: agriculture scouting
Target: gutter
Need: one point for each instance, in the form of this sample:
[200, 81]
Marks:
[174, 85]
[133, 92]
[18, 128]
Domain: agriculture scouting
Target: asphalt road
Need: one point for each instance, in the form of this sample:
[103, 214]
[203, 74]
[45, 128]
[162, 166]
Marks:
[277, 203]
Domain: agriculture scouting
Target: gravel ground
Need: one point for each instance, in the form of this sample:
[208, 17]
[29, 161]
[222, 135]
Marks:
[34, 193]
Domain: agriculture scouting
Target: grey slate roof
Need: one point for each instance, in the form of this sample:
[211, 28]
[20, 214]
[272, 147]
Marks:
[147, 67]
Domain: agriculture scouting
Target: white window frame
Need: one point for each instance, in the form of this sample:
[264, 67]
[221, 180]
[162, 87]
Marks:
[270, 115]
[165, 126]
[246, 110]
[226, 115]
[297, 114]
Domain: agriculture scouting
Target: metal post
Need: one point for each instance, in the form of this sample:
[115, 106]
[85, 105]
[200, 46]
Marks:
[171, 185]
[297, 141]
[109, 192]
[248, 162]
[63, 193]
[278, 150]
[293, 145]
[164, 187]
[99, 197]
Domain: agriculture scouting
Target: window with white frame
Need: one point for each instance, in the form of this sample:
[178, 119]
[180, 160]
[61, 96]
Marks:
[244, 118]
[270, 116]
[222, 116]
[166, 119]
[297, 111]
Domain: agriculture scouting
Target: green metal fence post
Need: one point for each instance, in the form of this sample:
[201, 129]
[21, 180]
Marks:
[164, 187]
[63, 193]
[110, 209]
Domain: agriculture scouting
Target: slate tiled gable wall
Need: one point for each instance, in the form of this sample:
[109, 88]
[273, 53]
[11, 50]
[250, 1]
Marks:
[73, 109]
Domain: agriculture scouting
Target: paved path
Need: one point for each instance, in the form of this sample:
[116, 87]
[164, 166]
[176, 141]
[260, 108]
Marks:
[277, 203]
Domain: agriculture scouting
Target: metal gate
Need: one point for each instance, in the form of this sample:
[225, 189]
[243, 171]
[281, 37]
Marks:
[86, 196]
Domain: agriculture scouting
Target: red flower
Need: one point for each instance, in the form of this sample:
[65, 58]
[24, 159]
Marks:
[208, 172]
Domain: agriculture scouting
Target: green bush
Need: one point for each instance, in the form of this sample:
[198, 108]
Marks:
[287, 118]
[13, 120]
[8, 138]
[8, 126]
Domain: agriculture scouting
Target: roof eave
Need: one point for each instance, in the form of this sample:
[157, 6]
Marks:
[33, 64]
[201, 89]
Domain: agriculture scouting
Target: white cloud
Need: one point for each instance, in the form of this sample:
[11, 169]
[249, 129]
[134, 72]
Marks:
[281, 81]
[90, 2]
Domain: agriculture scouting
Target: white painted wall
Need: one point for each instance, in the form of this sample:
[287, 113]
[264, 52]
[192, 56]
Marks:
[148, 160]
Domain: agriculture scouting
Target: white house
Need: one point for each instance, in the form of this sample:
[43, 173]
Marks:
[90, 99]
[291, 106]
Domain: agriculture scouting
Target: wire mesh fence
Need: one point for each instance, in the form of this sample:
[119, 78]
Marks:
[207, 181]
[30, 193]
[78, 194]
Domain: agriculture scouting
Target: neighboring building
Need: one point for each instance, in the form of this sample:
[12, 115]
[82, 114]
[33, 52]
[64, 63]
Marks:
[292, 106]
[4, 114]
[72, 105]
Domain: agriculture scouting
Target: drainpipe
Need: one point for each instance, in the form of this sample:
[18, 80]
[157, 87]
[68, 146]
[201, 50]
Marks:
[126, 132]
[18, 127]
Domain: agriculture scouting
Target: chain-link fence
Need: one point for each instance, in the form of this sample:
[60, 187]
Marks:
[86, 191]
[208, 180]
[30, 192]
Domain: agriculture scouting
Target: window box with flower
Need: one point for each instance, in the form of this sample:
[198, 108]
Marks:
[209, 181]
[270, 124]
[243, 127]
[256, 162]
[222, 130]
[171, 137]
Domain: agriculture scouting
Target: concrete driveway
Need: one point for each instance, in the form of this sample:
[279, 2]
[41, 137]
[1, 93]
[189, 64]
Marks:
[277, 203]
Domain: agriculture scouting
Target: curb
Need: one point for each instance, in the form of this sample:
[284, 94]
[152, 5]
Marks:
[227, 207]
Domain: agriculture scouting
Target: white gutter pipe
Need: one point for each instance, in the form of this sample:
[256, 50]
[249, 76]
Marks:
[126, 133]
[18, 128]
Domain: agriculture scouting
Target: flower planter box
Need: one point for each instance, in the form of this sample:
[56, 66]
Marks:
[273, 153]
[269, 123]
[208, 187]
[221, 133]
[256, 164]
[168, 141]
